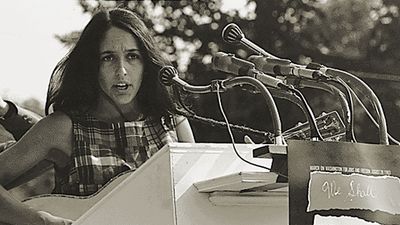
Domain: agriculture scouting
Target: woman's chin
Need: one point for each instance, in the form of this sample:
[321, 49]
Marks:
[123, 100]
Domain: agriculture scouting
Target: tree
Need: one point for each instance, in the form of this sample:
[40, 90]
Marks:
[354, 35]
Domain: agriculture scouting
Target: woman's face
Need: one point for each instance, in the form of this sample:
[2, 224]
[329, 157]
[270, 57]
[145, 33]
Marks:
[121, 66]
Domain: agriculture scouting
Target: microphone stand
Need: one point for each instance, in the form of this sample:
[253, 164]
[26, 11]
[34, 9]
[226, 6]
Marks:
[290, 96]
[169, 75]
[279, 161]
[276, 121]
[306, 83]
[223, 85]
[360, 86]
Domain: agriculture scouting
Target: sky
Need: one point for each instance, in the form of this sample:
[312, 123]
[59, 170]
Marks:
[29, 50]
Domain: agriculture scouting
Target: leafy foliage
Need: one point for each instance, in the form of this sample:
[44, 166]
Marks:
[354, 35]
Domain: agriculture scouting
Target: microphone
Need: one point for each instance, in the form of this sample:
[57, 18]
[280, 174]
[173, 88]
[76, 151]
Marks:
[168, 76]
[284, 67]
[230, 64]
[233, 34]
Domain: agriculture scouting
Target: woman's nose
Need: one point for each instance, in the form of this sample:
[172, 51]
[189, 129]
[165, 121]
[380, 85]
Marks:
[121, 70]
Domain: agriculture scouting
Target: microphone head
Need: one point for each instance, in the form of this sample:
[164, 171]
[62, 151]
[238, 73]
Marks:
[232, 33]
[166, 75]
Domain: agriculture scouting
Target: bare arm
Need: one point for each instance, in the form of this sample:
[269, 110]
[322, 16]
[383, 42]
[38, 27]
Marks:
[13, 212]
[47, 140]
[183, 130]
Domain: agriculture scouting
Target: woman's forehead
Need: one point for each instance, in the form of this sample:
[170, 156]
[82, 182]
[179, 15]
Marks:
[118, 39]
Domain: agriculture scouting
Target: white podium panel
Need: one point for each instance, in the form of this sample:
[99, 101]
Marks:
[197, 162]
[161, 191]
[145, 197]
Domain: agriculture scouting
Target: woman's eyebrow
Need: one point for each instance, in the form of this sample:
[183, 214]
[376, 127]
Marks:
[133, 50]
[128, 50]
[106, 52]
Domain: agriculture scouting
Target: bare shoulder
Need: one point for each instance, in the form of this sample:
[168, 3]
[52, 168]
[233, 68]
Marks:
[54, 129]
[58, 118]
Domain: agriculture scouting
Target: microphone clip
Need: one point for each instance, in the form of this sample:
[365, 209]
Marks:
[217, 86]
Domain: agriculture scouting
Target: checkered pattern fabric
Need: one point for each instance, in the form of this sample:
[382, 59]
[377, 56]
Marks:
[103, 150]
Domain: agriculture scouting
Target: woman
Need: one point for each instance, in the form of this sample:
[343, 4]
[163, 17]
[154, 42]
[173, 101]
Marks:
[110, 115]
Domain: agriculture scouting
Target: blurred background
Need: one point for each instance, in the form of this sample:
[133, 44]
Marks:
[359, 36]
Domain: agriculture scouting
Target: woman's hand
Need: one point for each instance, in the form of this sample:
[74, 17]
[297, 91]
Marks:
[49, 219]
[3, 107]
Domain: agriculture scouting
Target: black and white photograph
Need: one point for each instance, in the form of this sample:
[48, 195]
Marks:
[200, 112]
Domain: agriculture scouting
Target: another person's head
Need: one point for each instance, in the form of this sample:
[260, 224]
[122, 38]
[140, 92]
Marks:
[93, 67]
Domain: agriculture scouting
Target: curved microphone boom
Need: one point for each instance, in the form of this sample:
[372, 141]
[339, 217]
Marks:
[233, 34]
[168, 75]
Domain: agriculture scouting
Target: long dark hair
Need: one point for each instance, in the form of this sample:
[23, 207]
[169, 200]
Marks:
[74, 84]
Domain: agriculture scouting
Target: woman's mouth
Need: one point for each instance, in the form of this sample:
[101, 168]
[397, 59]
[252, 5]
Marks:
[122, 86]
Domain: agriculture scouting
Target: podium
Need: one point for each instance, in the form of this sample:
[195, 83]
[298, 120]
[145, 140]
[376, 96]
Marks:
[184, 184]
[343, 183]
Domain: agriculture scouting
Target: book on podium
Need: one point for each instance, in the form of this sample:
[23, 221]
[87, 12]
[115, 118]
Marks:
[237, 181]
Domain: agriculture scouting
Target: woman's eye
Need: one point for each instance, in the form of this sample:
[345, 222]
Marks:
[133, 56]
[107, 58]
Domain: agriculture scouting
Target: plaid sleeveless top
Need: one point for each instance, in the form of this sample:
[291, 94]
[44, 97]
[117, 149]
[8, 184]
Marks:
[102, 150]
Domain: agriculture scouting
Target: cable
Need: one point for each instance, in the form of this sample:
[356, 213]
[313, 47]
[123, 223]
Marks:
[332, 89]
[349, 126]
[231, 135]
[371, 117]
[363, 88]
[264, 135]
[313, 124]
[169, 76]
